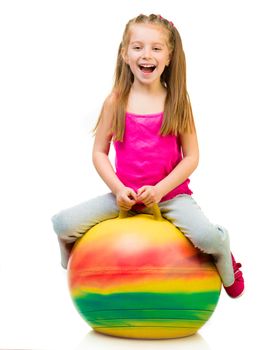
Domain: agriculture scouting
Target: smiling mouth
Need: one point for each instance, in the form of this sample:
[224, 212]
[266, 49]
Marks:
[147, 68]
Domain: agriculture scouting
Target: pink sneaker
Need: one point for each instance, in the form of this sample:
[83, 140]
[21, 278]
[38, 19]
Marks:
[237, 288]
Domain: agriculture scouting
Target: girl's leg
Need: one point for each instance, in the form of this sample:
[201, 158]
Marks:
[212, 239]
[70, 224]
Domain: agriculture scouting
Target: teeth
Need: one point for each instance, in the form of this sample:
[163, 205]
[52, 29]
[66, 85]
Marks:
[147, 65]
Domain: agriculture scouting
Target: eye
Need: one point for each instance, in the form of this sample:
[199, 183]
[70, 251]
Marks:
[157, 49]
[136, 47]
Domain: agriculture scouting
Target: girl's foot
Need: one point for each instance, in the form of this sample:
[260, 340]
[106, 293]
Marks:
[237, 288]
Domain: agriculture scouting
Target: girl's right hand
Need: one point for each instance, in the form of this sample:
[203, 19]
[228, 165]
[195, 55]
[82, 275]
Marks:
[126, 198]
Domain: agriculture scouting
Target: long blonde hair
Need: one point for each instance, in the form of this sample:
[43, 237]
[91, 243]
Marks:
[178, 117]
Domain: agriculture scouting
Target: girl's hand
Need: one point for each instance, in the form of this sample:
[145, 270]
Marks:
[149, 195]
[126, 198]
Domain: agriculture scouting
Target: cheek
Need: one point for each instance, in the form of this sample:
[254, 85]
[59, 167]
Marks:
[133, 67]
[132, 60]
[165, 61]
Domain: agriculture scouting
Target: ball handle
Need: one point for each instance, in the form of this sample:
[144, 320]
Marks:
[155, 212]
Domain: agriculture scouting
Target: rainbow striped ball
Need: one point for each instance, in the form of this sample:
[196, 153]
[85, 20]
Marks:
[139, 277]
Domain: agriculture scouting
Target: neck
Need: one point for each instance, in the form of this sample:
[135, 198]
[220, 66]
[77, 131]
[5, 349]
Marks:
[152, 89]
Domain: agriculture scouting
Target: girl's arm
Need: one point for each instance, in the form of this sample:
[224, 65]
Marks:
[101, 148]
[125, 196]
[190, 150]
[185, 168]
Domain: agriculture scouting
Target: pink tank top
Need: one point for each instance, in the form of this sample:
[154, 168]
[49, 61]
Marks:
[145, 157]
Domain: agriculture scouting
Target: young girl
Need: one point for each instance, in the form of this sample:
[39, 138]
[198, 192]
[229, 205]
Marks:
[148, 117]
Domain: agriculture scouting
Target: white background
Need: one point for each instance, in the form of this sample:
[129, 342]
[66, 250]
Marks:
[57, 62]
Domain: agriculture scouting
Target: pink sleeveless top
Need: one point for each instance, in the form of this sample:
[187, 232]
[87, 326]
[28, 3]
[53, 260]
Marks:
[145, 157]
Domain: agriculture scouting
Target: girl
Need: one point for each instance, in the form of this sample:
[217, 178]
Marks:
[148, 116]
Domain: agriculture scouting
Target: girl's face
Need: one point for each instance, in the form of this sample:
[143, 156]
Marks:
[147, 53]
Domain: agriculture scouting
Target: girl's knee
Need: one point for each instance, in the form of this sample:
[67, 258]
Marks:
[210, 239]
[62, 226]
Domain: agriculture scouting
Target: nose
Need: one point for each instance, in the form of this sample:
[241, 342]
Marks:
[146, 52]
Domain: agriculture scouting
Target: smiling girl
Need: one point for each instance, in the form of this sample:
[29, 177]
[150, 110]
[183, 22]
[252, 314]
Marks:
[148, 117]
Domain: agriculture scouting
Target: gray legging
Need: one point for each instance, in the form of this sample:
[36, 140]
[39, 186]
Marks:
[182, 211]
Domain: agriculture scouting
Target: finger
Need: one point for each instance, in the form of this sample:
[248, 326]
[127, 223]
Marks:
[146, 197]
[128, 201]
[124, 207]
[149, 204]
[150, 201]
[123, 203]
[130, 204]
[141, 198]
[133, 195]
[141, 190]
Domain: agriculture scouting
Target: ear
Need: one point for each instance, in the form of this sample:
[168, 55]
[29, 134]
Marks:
[124, 55]
[168, 59]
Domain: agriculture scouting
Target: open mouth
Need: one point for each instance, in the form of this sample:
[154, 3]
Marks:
[147, 68]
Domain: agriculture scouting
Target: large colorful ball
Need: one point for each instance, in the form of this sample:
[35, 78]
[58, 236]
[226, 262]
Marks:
[139, 277]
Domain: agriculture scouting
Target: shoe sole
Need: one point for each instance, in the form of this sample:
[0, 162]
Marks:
[238, 296]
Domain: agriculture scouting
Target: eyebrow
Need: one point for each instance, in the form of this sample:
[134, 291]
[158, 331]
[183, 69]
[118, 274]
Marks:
[140, 42]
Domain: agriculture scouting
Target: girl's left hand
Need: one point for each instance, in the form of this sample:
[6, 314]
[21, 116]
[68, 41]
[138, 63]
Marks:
[149, 195]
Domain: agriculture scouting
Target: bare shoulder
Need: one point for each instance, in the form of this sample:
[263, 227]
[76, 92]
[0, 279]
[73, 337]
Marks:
[105, 122]
[106, 114]
[110, 101]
